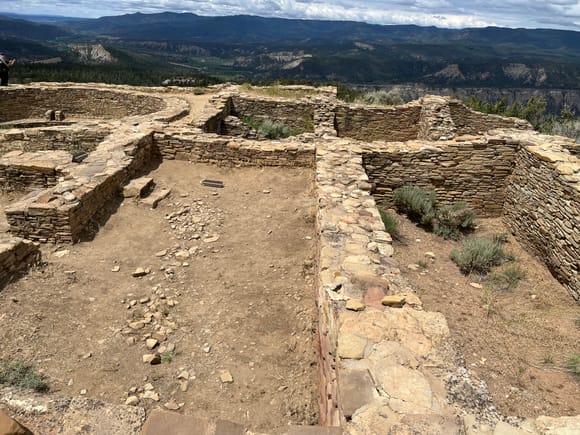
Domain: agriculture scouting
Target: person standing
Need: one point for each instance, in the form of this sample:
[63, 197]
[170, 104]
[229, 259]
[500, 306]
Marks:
[5, 66]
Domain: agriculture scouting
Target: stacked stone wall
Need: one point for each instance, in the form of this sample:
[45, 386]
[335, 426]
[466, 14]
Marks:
[52, 138]
[75, 102]
[21, 171]
[64, 213]
[543, 207]
[397, 123]
[296, 115]
[16, 255]
[460, 170]
[208, 148]
[467, 121]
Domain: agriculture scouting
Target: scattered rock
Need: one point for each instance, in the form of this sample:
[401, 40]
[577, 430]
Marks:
[183, 375]
[475, 285]
[430, 255]
[151, 343]
[226, 377]
[355, 305]
[211, 239]
[162, 253]
[172, 406]
[151, 395]
[152, 358]
[395, 301]
[116, 269]
[132, 400]
[60, 254]
[182, 255]
[139, 272]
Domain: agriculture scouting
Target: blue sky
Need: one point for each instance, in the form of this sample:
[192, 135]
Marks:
[558, 14]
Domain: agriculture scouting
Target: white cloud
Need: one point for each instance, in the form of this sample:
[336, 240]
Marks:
[443, 13]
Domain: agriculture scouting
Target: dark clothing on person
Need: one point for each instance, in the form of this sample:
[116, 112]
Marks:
[5, 65]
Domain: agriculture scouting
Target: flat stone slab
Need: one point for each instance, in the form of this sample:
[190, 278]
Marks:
[138, 187]
[156, 197]
[356, 388]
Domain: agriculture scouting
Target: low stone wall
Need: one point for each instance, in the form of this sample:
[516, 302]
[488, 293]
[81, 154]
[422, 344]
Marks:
[183, 144]
[76, 102]
[474, 170]
[16, 255]
[21, 171]
[396, 123]
[297, 115]
[63, 213]
[542, 207]
[72, 138]
[468, 121]
[381, 368]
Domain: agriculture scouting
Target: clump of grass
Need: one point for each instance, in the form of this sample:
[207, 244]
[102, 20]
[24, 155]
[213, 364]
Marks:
[21, 374]
[548, 358]
[574, 364]
[479, 254]
[417, 203]
[507, 278]
[577, 322]
[390, 223]
[168, 356]
[451, 219]
[422, 264]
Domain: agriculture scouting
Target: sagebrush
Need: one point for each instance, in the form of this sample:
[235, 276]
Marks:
[479, 254]
[21, 374]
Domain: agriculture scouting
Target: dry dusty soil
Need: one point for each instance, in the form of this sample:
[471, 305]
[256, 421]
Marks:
[228, 303]
[518, 341]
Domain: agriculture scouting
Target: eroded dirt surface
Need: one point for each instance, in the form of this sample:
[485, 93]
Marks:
[518, 341]
[230, 287]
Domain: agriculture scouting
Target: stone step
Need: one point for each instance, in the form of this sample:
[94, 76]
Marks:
[156, 197]
[138, 187]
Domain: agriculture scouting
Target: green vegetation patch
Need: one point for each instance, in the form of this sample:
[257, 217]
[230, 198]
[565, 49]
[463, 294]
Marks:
[479, 254]
[270, 129]
[390, 223]
[574, 364]
[21, 374]
[415, 202]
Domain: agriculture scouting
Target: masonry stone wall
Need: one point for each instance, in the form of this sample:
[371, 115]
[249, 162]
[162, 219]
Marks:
[543, 206]
[22, 171]
[75, 102]
[468, 121]
[84, 138]
[16, 255]
[296, 115]
[474, 171]
[182, 144]
[397, 123]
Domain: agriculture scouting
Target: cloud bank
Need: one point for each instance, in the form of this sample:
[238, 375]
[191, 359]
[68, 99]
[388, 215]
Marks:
[563, 14]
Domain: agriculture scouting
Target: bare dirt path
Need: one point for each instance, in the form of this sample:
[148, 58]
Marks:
[518, 341]
[229, 300]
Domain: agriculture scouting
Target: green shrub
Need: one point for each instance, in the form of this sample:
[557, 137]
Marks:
[381, 98]
[389, 222]
[451, 219]
[23, 375]
[269, 129]
[508, 278]
[574, 364]
[417, 203]
[479, 254]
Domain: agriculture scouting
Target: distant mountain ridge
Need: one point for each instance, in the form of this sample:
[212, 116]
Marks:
[248, 47]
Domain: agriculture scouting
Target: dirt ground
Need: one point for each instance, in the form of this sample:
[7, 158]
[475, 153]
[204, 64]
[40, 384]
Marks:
[517, 341]
[229, 299]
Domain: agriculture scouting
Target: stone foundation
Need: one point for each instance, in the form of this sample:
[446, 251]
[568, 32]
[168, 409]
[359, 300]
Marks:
[23, 171]
[16, 255]
[182, 144]
[382, 357]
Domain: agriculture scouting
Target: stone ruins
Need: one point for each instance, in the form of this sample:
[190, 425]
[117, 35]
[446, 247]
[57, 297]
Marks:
[382, 369]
